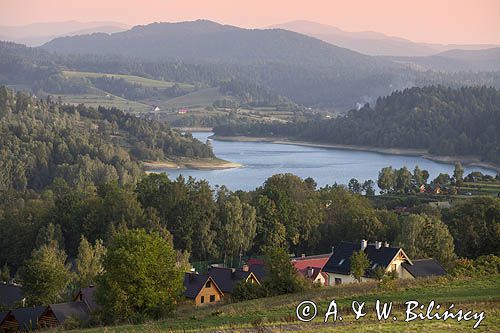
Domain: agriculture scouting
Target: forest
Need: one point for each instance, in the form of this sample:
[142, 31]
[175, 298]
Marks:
[41, 140]
[442, 120]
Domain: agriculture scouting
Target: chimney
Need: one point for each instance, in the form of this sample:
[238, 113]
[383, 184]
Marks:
[333, 248]
[378, 245]
[303, 255]
[386, 244]
[245, 268]
[364, 243]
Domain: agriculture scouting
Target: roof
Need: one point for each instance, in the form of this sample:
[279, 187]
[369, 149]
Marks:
[259, 270]
[87, 295]
[340, 261]
[10, 294]
[194, 282]
[27, 318]
[226, 278]
[311, 261]
[424, 267]
[63, 311]
[3, 315]
[310, 272]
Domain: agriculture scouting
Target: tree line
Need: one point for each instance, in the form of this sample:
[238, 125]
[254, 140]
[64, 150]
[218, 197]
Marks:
[444, 121]
[43, 139]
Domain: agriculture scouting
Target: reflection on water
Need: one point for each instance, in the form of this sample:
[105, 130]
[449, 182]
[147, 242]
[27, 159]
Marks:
[327, 166]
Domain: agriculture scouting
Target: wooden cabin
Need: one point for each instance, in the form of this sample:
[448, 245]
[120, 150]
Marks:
[202, 289]
[56, 314]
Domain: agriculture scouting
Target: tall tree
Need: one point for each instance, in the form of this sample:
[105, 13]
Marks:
[425, 236]
[386, 180]
[45, 275]
[140, 277]
[458, 174]
[359, 264]
[88, 264]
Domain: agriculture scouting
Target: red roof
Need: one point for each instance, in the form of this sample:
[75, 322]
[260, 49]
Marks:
[312, 261]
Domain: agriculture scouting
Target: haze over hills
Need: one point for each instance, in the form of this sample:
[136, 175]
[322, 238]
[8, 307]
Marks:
[371, 43]
[303, 69]
[457, 60]
[37, 34]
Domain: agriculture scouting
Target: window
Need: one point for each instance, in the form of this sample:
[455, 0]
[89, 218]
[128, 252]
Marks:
[394, 267]
[341, 261]
[338, 281]
[208, 284]
[212, 298]
[202, 299]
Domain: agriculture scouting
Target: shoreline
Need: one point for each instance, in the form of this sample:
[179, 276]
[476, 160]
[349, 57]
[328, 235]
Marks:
[465, 160]
[193, 129]
[196, 164]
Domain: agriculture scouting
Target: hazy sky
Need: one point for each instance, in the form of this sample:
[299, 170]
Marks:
[441, 21]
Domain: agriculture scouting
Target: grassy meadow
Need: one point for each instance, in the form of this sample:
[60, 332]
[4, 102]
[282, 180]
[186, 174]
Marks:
[277, 314]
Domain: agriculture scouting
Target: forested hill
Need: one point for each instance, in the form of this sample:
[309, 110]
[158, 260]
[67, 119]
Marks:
[207, 41]
[42, 139]
[445, 121]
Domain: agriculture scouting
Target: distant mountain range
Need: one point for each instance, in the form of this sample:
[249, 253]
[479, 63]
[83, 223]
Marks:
[37, 34]
[372, 43]
[304, 69]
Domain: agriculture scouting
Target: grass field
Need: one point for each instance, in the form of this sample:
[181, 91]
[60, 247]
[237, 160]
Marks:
[130, 78]
[481, 188]
[277, 314]
[95, 100]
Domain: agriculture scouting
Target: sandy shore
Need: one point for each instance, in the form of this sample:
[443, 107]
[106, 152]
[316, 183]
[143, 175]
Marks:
[193, 129]
[465, 160]
[198, 164]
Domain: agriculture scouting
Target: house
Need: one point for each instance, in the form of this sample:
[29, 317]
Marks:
[311, 267]
[202, 289]
[11, 295]
[86, 295]
[22, 319]
[56, 314]
[182, 111]
[389, 258]
[227, 278]
[424, 268]
[7, 322]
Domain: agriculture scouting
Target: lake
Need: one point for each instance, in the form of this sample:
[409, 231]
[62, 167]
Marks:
[326, 166]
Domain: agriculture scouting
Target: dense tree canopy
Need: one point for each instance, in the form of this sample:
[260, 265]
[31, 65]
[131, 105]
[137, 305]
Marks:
[442, 120]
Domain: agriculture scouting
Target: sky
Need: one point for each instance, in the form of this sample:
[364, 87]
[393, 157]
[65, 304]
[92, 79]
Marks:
[434, 21]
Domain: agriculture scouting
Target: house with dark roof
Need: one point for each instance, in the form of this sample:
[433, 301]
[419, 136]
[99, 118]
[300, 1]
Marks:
[390, 259]
[201, 289]
[227, 278]
[11, 295]
[56, 314]
[86, 295]
[424, 268]
[22, 319]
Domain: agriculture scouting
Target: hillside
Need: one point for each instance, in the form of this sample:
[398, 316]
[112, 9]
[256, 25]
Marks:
[444, 121]
[277, 314]
[370, 42]
[41, 140]
[458, 60]
[36, 34]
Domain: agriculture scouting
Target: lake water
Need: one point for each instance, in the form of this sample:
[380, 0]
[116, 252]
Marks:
[326, 166]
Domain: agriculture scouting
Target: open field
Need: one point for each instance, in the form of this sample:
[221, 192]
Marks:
[95, 100]
[200, 98]
[277, 314]
[481, 188]
[130, 78]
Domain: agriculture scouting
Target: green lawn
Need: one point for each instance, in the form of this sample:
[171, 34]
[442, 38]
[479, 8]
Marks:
[278, 313]
[130, 78]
